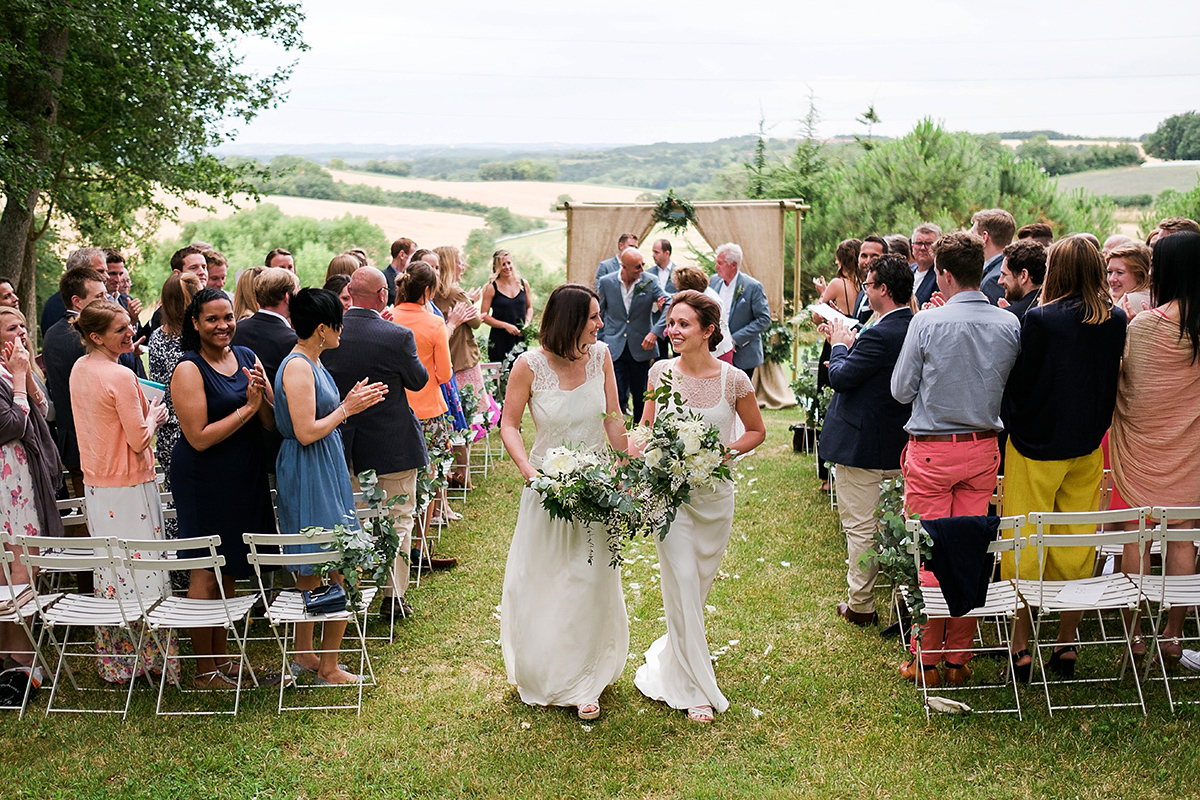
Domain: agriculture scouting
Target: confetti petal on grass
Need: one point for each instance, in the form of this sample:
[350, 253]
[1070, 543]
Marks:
[756, 712]
[588, 728]
[733, 642]
[770, 647]
[766, 678]
[526, 725]
[785, 563]
[761, 560]
[710, 608]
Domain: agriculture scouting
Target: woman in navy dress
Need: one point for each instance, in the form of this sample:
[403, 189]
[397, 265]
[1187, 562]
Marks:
[310, 472]
[222, 402]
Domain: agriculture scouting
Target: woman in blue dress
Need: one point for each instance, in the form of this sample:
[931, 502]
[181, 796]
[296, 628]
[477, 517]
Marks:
[223, 404]
[311, 474]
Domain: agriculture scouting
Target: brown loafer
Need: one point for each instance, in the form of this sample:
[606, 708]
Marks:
[956, 675]
[443, 562]
[857, 617]
[931, 677]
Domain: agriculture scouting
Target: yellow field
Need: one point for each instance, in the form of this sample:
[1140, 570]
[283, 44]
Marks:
[528, 198]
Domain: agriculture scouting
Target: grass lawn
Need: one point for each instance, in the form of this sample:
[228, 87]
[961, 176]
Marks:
[818, 710]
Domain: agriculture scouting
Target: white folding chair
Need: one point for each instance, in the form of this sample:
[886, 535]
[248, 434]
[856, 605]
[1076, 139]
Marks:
[366, 518]
[1115, 592]
[1002, 605]
[286, 609]
[72, 610]
[1164, 592]
[185, 613]
[19, 606]
[73, 512]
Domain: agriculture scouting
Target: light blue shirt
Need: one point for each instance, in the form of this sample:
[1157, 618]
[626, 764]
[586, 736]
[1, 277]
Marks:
[954, 364]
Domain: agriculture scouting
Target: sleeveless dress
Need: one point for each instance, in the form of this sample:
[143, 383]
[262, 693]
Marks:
[564, 633]
[233, 470]
[313, 481]
[506, 309]
[678, 668]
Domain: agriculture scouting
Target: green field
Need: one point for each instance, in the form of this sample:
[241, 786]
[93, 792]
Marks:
[817, 708]
[1132, 180]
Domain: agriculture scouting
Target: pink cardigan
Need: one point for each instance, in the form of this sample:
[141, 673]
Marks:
[110, 423]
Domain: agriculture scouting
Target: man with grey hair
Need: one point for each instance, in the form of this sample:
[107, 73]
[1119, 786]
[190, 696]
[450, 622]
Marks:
[92, 257]
[745, 304]
[924, 276]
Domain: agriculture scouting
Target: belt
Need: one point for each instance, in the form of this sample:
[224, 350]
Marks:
[952, 437]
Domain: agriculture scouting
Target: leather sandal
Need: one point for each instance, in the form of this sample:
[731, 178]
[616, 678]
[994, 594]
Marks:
[1170, 651]
[213, 680]
[588, 710]
[1062, 667]
[1022, 672]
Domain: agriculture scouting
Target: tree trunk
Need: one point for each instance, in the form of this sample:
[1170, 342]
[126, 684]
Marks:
[33, 99]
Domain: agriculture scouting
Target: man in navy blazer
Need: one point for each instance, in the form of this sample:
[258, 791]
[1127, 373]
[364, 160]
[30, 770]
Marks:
[924, 236]
[628, 300]
[745, 304]
[268, 332]
[662, 271]
[610, 265]
[386, 437]
[864, 431]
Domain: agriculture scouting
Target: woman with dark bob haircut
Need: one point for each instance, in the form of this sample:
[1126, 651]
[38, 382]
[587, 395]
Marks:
[314, 484]
[563, 629]
[1154, 453]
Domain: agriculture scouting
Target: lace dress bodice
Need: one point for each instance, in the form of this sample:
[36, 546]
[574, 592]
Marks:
[571, 418]
[714, 399]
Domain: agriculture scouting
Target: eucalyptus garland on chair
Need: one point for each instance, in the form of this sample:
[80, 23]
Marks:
[895, 557]
[369, 550]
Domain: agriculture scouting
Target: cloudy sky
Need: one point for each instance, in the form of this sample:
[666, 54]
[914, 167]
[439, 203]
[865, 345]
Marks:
[624, 71]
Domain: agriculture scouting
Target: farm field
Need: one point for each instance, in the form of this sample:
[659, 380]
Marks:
[528, 198]
[1132, 180]
[423, 226]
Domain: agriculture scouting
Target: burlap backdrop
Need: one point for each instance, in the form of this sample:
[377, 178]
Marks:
[592, 233]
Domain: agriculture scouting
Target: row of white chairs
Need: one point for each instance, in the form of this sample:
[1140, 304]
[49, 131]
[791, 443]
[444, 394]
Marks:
[1132, 594]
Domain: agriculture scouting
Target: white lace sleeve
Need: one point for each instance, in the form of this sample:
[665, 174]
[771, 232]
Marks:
[656, 372]
[595, 364]
[737, 385]
[544, 378]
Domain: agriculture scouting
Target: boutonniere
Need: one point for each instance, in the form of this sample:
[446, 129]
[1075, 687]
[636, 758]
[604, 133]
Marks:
[738, 292]
[641, 287]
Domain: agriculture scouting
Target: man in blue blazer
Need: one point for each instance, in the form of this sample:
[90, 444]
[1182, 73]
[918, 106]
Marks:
[662, 271]
[386, 437]
[924, 237]
[864, 428]
[610, 265]
[745, 304]
[628, 300]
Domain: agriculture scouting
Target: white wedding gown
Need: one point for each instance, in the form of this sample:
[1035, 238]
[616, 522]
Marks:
[678, 668]
[564, 632]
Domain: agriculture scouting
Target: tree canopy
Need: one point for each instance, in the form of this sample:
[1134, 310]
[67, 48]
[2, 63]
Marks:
[112, 103]
[1176, 137]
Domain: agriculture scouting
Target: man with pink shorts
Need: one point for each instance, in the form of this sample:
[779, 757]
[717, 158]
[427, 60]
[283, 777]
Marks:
[952, 368]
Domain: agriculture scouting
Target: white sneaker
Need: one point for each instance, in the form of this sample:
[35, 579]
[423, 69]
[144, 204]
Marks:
[1191, 660]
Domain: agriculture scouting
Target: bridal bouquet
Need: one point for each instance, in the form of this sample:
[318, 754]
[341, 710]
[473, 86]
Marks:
[583, 486]
[680, 453]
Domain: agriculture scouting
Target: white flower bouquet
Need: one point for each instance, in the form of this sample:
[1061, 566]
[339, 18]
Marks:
[583, 486]
[680, 454]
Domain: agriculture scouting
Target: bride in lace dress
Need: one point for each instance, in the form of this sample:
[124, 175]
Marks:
[678, 668]
[563, 628]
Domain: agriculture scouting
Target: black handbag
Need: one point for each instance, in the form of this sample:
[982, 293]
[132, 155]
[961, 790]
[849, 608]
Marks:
[329, 599]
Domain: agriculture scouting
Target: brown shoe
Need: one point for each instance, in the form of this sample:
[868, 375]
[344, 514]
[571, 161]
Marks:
[956, 675]
[932, 677]
[857, 617]
[443, 562]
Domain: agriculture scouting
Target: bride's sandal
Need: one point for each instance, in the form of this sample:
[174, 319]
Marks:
[700, 714]
[588, 710]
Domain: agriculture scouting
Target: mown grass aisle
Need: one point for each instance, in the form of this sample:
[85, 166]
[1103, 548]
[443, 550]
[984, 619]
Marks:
[818, 710]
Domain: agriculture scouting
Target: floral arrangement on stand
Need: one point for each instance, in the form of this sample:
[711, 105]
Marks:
[369, 550]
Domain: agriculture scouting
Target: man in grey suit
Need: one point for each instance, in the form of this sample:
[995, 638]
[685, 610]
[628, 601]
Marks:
[611, 265]
[386, 437]
[627, 304]
[745, 303]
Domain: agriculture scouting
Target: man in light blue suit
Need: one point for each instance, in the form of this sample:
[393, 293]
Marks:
[745, 303]
[628, 300]
[611, 265]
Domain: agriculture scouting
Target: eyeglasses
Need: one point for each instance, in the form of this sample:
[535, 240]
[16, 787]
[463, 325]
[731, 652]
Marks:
[874, 284]
[922, 244]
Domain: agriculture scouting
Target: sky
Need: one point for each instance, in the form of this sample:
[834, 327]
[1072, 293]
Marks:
[620, 72]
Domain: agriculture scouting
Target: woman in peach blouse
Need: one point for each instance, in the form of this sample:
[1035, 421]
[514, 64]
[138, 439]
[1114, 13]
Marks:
[414, 292]
[115, 426]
